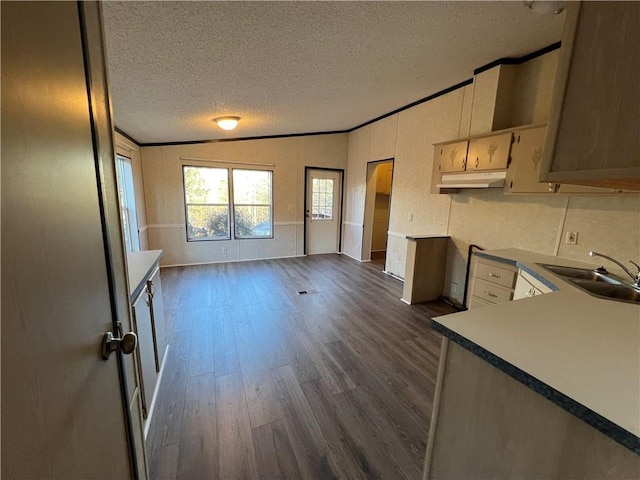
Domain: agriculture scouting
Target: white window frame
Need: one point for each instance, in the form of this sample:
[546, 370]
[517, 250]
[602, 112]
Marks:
[198, 204]
[234, 204]
[231, 206]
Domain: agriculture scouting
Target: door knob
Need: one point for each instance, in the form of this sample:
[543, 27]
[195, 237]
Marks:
[127, 344]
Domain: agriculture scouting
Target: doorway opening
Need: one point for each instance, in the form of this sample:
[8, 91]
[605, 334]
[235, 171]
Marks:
[323, 210]
[376, 212]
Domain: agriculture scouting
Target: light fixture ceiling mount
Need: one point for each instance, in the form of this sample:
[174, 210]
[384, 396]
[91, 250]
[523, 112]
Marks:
[227, 123]
[545, 7]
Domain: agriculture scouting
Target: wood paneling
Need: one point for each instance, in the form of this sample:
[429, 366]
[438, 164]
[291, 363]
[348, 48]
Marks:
[335, 384]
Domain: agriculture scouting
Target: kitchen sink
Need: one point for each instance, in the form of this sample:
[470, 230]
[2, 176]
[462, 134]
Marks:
[621, 292]
[583, 274]
[598, 283]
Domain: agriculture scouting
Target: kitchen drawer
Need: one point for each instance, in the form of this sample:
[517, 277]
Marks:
[500, 275]
[490, 292]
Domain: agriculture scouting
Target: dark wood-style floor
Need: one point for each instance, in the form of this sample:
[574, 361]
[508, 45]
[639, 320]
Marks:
[261, 382]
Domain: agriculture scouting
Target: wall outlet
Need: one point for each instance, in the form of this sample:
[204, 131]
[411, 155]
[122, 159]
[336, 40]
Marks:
[454, 287]
[410, 217]
[571, 238]
[225, 250]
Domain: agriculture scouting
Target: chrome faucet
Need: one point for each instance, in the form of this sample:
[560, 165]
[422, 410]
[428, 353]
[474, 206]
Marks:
[634, 277]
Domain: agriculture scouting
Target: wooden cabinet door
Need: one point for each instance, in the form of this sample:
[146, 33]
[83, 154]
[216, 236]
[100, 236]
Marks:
[452, 157]
[489, 153]
[526, 155]
[593, 129]
[145, 351]
[159, 326]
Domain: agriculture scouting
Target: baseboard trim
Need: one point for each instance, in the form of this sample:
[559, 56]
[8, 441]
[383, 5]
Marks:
[354, 258]
[393, 275]
[405, 301]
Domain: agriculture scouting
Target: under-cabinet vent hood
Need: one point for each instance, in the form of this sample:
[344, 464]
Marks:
[473, 180]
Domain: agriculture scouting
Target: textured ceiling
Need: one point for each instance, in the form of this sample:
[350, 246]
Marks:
[298, 67]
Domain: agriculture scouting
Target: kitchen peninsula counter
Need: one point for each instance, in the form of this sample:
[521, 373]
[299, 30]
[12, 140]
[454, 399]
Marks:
[578, 351]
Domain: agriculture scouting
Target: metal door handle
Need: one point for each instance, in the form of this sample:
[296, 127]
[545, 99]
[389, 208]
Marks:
[494, 275]
[489, 294]
[127, 344]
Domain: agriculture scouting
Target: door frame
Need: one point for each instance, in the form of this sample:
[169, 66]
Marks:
[304, 211]
[366, 253]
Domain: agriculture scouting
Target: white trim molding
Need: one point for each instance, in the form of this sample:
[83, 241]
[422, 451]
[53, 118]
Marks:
[166, 225]
[393, 275]
[396, 234]
[351, 224]
[287, 224]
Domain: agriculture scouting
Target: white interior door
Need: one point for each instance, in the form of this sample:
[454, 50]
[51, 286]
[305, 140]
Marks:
[62, 405]
[324, 193]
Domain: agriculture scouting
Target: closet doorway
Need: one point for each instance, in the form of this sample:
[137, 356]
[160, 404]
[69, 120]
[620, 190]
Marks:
[377, 208]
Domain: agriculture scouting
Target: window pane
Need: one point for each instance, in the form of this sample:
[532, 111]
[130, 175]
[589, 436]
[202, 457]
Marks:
[127, 203]
[207, 222]
[206, 185]
[253, 221]
[252, 194]
[322, 199]
[251, 187]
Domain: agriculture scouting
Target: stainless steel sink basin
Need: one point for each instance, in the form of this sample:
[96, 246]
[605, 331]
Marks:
[582, 273]
[599, 284]
[621, 292]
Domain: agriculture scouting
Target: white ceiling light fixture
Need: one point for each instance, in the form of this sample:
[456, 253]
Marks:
[227, 123]
[546, 7]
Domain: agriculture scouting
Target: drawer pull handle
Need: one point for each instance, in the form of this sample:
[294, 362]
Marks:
[489, 294]
[494, 275]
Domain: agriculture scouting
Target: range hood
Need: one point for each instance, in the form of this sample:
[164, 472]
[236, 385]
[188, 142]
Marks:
[473, 180]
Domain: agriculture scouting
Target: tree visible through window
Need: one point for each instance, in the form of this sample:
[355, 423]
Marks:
[252, 203]
[206, 192]
[208, 204]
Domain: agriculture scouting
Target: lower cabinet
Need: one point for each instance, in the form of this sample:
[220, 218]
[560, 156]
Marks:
[486, 425]
[491, 282]
[135, 409]
[528, 286]
[154, 289]
[148, 324]
[147, 372]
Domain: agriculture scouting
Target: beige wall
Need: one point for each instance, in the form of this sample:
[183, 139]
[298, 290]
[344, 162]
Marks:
[607, 223]
[380, 223]
[162, 173]
[129, 149]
